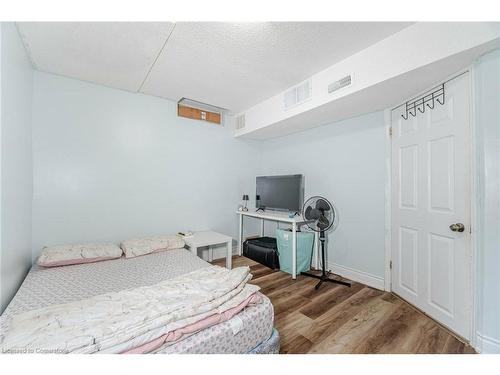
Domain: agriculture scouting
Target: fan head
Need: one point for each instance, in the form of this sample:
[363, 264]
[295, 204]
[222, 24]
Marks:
[320, 214]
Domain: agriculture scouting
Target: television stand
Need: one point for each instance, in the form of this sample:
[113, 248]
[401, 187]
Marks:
[295, 221]
[260, 209]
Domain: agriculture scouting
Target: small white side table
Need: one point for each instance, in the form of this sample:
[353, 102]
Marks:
[210, 238]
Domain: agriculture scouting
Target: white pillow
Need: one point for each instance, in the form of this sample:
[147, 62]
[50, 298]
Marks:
[143, 246]
[63, 255]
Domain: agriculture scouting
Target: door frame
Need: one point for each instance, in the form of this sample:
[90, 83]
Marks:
[473, 200]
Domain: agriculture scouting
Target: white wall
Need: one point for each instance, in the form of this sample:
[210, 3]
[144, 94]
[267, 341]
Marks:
[488, 246]
[110, 165]
[345, 162]
[16, 162]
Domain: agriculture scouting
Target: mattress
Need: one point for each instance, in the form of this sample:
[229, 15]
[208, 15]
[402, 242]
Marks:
[51, 286]
[270, 346]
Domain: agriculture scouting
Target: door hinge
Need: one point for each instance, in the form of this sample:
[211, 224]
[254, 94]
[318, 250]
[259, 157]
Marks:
[390, 131]
[390, 264]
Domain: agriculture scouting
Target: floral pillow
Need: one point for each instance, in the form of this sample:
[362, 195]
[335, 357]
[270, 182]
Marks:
[63, 255]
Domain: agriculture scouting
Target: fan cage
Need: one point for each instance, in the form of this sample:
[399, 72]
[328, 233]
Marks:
[312, 202]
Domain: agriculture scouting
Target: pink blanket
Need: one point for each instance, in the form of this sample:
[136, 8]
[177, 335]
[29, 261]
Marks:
[193, 328]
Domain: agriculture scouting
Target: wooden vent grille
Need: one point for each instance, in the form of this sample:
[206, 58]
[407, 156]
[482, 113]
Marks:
[199, 111]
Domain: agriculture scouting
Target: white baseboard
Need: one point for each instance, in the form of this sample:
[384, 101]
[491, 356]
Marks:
[486, 344]
[358, 276]
[347, 272]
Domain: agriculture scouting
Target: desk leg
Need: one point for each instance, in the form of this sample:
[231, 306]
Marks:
[262, 227]
[210, 254]
[294, 251]
[240, 236]
[229, 254]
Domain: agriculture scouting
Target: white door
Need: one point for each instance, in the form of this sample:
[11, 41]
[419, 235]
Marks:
[431, 179]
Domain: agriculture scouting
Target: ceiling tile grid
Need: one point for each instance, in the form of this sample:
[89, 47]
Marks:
[114, 54]
[229, 65]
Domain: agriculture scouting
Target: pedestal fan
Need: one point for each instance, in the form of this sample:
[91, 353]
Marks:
[321, 216]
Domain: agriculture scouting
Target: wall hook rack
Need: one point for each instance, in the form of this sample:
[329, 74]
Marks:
[427, 101]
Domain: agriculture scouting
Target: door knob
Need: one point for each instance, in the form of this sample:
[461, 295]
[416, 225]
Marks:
[458, 227]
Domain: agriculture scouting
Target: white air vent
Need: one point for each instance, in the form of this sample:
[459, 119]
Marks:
[341, 83]
[239, 122]
[298, 95]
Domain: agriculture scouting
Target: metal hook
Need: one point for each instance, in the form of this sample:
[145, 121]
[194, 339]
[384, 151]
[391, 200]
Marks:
[406, 112]
[428, 99]
[442, 95]
[423, 106]
[414, 110]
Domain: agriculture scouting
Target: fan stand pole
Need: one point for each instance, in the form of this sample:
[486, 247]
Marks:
[325, 276]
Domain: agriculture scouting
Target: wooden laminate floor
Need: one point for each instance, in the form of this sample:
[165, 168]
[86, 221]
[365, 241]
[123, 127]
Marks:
[338, 319]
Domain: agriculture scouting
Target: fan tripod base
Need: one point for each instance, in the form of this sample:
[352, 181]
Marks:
[323, 278]
[325, 275]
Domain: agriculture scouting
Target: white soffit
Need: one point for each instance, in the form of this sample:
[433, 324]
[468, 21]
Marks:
[114, 54]
[385, 74]
[235, 66]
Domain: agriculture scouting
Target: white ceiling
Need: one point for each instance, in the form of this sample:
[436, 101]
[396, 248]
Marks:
[229, 65]
[113, 54]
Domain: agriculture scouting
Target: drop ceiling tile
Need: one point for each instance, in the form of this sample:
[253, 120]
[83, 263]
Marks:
[237, 65]
[115, 54]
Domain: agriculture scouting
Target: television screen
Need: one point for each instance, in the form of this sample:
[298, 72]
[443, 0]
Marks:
[280, 192]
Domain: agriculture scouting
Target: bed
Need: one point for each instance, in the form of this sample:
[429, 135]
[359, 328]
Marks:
[250, 331]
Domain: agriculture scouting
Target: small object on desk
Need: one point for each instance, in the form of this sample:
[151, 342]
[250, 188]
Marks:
[185, 234]
[245, 199]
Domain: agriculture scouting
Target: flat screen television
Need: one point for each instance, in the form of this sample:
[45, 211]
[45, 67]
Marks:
[282, 193]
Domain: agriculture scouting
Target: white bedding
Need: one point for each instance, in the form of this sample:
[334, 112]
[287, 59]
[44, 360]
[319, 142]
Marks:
[120, 321]
[45, 287]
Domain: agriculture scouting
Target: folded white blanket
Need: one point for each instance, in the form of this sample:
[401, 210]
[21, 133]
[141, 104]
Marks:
[116, 322]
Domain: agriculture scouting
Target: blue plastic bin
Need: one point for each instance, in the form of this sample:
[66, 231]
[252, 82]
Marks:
[305, 242]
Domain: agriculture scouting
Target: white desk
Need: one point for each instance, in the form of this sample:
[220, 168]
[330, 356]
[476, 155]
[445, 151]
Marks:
[283, 218]
[210, 238]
